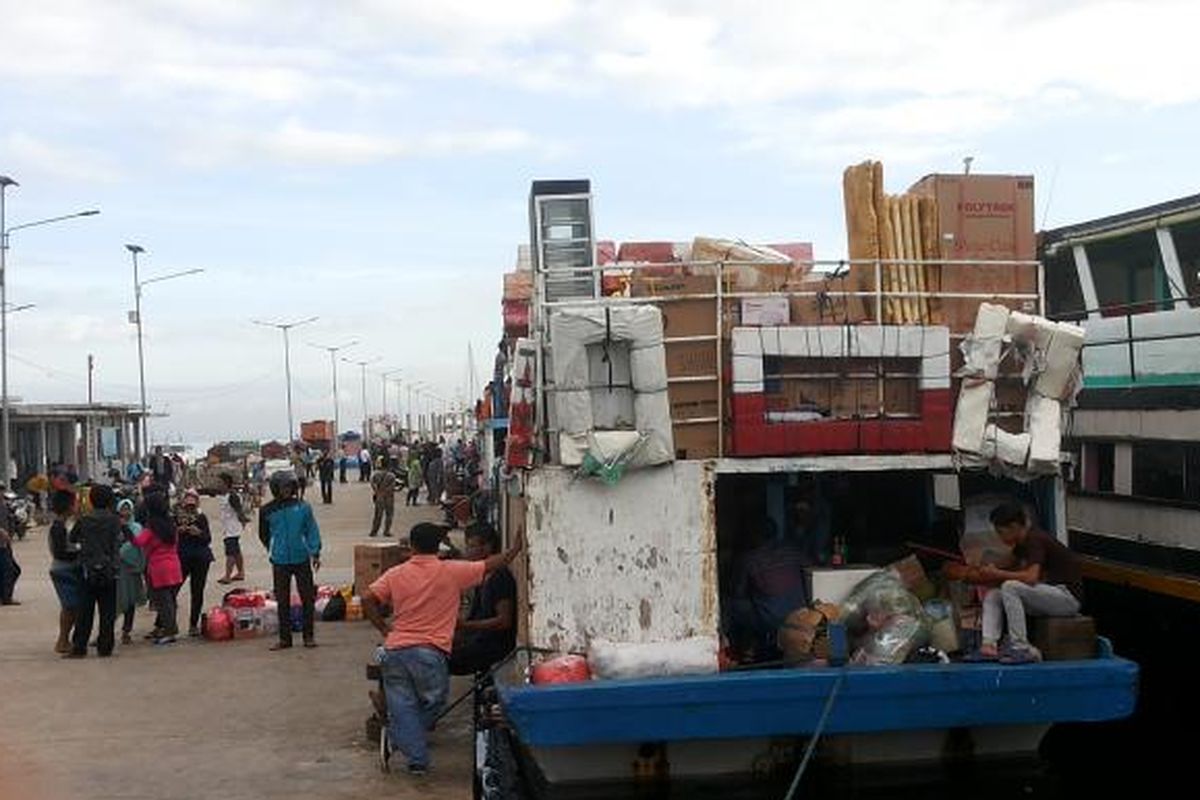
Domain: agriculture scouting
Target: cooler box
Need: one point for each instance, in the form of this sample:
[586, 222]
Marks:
[834, 584]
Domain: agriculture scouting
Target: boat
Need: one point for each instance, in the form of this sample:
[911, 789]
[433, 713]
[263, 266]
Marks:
[643, 550]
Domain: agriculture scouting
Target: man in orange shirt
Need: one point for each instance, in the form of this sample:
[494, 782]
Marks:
[424, 594]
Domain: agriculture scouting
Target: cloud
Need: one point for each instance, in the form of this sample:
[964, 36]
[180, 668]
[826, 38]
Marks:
[293, 142]
[28, 154]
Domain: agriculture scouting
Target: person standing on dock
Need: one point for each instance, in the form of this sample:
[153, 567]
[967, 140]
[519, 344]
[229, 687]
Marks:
[325, 470]
[383, 494]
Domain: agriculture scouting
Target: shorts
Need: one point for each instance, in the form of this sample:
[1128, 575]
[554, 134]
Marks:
[67, 578]
[233, 546]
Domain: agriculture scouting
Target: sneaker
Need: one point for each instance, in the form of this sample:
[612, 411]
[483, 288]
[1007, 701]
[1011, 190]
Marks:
[1021, 654]
[417, 770]
[165, 640]
[280, 646]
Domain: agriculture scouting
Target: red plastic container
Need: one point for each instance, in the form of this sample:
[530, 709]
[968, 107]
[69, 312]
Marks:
[561, 669]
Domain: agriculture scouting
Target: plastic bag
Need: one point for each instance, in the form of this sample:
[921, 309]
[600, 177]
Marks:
[885, 621]
[218, 625]
[560, 669]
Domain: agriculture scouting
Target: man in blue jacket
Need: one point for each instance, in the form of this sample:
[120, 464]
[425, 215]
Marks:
[289, 531]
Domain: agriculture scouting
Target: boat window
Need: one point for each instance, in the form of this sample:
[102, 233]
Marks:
[1187, 246]
[1166, 471]
[1128, 273]
[1098, 466]
[1064, 299]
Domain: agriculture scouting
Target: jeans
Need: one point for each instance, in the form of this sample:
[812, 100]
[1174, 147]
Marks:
[102, 594]
[415, 681]
[283, 574]
[1013, 599]
[165, 603]
[195, 572]
[327, 490]
[383, 508]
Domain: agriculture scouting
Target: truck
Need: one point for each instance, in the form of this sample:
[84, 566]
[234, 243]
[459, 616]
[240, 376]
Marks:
[663, 416]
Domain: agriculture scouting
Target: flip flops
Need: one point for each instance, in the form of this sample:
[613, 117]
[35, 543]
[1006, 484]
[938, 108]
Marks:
[1021, 655]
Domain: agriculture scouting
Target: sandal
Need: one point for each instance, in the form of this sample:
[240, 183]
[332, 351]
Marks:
[1021, 655]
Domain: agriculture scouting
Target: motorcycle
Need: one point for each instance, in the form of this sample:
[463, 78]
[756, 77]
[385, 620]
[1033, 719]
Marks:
[19, 512]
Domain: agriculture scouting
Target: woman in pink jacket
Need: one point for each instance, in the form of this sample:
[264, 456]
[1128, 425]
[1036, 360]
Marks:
[158, 541]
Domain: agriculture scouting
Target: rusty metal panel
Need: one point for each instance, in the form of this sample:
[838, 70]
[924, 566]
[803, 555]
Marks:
[635, 562]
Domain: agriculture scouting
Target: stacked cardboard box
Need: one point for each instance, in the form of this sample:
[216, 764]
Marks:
[374, 559]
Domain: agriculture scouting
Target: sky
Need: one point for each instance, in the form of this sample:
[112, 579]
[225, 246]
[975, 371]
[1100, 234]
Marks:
[368, 161]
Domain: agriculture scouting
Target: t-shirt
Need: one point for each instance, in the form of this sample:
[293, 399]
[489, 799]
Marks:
[230, 514]
[500, 585]
[424, 595]
[1059, 565]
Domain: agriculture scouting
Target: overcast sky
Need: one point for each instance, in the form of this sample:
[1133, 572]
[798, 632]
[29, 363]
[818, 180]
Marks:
[368, 161]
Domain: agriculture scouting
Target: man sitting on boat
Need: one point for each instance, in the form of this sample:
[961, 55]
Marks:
[768, 585]
[1047, 582]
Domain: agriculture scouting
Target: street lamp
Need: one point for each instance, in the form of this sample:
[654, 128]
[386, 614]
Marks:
[363, 366]
[287, 364]
[415, 387]
[333, 351]
[138, 283]
[385, 375]
[5, 231]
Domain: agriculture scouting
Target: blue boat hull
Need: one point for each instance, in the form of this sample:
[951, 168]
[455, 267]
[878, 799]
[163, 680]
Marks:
[789, 702]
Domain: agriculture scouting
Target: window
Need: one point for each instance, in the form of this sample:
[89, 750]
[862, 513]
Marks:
[1064, 299]
[1187, 246]
[1098, 466]
[1158, 471]
[1128, 271]
[1166, 471]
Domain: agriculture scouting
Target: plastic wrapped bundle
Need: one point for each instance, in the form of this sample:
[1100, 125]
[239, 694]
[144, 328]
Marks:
[885, 621]
[623, 660]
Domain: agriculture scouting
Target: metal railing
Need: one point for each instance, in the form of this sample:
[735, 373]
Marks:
[722, 271]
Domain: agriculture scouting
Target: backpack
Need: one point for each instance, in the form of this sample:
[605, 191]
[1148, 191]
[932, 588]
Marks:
[335, 609]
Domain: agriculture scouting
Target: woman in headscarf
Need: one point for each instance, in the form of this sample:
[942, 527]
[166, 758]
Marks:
[157, 540]
[131, 586]
[195, 553]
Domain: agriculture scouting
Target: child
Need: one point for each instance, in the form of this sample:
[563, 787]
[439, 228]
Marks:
[131, 588]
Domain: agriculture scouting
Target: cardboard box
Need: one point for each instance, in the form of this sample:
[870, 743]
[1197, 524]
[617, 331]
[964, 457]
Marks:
[672, 285]
[1063, 638]
[693, 400]
[696, 441]
[765, 311]
[982, 217]
[518, 286]
[374, 559]
[691, 359]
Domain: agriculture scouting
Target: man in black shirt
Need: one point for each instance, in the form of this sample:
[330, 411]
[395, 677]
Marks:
[1047, 582]
[99, 537]
[489, 631]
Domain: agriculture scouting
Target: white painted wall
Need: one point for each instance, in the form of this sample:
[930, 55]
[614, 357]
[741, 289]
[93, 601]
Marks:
[1121, 519]
[634, 562]
[1182, 426]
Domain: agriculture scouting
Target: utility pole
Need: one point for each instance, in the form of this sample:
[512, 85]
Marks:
[333, 351]
[287, 365]
[91, 371]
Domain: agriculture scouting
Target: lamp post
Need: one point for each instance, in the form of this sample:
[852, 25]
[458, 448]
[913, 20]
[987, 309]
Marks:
[287, 365]
[362, 365]
[416, 388]
[138, 283]
[384, 380]
[333, 351]
[5, 231]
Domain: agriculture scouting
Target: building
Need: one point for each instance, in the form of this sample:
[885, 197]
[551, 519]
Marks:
[93, 437]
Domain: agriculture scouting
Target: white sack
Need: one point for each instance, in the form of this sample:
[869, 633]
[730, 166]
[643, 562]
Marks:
[621, 660]
[1061, 361]
[971, 415]
[1010, 448]
[1044, 423]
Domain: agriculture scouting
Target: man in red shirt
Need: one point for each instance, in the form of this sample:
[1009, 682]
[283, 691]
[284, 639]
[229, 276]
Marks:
[424, 594]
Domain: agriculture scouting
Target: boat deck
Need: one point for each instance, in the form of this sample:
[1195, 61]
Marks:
[784, 702]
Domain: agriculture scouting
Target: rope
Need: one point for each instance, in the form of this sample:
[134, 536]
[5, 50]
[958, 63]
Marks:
[812, 743]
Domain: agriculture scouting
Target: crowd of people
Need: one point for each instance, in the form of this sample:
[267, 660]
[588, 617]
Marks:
[112, 556]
